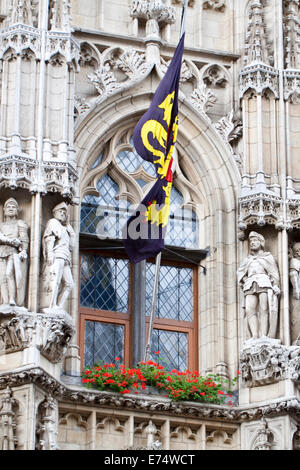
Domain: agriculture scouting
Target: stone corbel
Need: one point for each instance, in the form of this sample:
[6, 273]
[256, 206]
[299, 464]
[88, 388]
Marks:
[218, 5]
[260, 208]
[292, 86]
[265, 360]
[51, 334]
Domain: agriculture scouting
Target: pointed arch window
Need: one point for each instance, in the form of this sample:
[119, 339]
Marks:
[114, 294]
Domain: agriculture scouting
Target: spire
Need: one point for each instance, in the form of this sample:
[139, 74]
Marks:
[256, 45]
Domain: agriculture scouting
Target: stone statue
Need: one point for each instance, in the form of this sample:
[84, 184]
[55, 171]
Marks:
[258, 277]
[14, 242]
[58, 244]
[294, 272]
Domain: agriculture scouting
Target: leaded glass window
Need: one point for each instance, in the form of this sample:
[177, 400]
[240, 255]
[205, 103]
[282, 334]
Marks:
[104, 283]
[129, 160]
[173, 348]
[175, 292]
[103, 342]
[182, 228]
[104, 215]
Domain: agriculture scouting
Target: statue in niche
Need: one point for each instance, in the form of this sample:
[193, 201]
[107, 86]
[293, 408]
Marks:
[258, 277]
[294, 273]
[58, 244]
[14, 242]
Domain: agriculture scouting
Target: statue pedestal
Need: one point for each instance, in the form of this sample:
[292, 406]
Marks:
[35, 340]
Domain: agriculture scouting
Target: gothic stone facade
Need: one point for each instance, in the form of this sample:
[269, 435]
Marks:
[74, 78]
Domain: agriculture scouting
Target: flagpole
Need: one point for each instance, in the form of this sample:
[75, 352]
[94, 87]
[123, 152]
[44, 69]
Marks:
[158, 257]
[153, 305]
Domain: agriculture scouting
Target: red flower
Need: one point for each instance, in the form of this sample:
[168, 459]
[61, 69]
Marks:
[156, 352]
[238, 372]
[117, 359]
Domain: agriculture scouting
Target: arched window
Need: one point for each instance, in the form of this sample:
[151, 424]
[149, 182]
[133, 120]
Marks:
[112, 294]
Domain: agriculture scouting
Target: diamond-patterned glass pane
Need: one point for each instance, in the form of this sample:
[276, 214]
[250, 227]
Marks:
[182, 228]
[103, 342]
[172, 347]
[104, 216]
[104, 283]
[175, 292]
[129, 161]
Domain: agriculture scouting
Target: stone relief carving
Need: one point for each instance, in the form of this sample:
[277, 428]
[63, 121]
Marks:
[230, 127]
[218, 5]
[58, 243]
[14, 242]
[294, 274]
[258, 276]
[260, 208]
[51, 334]
[265, 360]
[8, 408]
[151, 10]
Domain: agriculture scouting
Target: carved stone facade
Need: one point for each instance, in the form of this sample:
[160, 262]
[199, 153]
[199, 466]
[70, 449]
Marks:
[74, 81]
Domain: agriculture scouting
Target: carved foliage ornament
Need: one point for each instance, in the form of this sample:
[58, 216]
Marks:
[218, 5]
[153, 10]
[131, 63]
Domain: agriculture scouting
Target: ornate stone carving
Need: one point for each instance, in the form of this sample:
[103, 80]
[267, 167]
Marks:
[202, 98]
[8, 408]
[58, 244]
[292, 86]
[14, 242]
[62, 47]
[21, 11]
[47, 425]
[20, 38]
[18, 172]
[260, 208]
[294, 273]
[55, 333]
[218, 5]
[60, 177]
[265, 361]
[60, 15]
[259, 77]
[153, 10]
[131, 63]
[258, 276]
[215, 76]
[50, 385]
[16, 333]
[264, 437]
[81, 106]
[291, 33]
[186, 73]
[51, 334]
[230, 127]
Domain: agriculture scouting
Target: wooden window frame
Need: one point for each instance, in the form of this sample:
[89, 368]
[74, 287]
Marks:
[105, 316]
[124, 319]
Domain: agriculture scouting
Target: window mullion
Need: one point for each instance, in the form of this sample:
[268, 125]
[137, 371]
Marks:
[138, 315]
